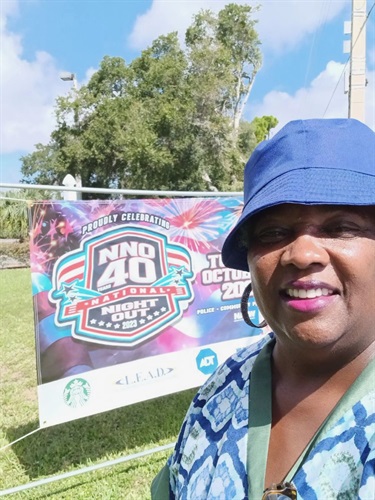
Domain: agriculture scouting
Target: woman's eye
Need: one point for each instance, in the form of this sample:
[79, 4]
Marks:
[272, 235]
[343, 230]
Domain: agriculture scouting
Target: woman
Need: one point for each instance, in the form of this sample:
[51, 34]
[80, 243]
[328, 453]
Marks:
[298, 408]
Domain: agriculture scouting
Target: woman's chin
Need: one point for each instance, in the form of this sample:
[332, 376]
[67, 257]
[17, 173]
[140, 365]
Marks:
[311, 336]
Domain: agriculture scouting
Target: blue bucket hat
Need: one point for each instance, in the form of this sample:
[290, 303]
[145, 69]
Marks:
[309, 162]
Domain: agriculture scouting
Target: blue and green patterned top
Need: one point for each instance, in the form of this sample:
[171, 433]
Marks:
[221, 451]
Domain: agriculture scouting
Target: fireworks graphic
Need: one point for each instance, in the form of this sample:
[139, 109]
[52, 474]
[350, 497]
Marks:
[56, 229]
[198, 223]
[53, 233]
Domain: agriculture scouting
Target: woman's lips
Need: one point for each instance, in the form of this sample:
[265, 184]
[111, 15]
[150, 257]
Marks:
[308, 297]
[308, 293]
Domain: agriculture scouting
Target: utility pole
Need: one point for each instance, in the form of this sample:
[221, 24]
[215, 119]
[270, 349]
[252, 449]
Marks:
[357, 75]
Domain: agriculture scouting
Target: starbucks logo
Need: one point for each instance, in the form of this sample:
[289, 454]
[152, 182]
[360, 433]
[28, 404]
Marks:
[77, 392]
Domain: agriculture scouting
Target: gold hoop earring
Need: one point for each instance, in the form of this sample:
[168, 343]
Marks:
[245, 308]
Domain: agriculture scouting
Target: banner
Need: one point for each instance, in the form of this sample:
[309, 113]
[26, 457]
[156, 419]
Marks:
[131, 300]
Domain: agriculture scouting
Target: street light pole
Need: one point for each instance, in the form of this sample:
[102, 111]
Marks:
[71, 77]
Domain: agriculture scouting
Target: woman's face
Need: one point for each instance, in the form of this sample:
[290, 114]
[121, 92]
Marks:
[313, 273]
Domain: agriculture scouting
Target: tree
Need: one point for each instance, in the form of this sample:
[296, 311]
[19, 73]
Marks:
[227, 46]
[171, 119]
[262, 127]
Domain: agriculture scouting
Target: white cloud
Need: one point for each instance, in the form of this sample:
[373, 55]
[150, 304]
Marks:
[28, 90]
[323, 98]
[165, 17]
[8, 7]
[282, 23]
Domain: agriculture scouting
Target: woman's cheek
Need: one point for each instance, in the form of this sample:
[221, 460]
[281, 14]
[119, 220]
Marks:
[261, 266]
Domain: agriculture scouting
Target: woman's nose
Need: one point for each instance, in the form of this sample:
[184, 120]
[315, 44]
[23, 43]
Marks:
[305, 251]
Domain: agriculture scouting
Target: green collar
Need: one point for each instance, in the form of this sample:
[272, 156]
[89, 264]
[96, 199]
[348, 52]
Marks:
[260, 418]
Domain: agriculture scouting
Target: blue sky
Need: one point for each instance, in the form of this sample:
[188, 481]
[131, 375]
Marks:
[302, 45]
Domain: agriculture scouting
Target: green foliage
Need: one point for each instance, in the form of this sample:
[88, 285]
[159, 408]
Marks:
[262, 127]
[13, 211]
[171, 119]
[13, 219]
[37, 166]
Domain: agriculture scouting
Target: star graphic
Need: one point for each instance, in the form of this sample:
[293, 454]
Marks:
[180, 271]
[178, 274]
[71, 298]
[67, 288]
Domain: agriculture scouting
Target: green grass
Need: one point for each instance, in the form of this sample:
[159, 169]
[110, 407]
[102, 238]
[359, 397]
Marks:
[77, 444]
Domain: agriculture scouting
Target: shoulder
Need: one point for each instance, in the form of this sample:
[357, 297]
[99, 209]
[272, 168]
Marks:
[237, 368]
[217, 417]
[344, 451]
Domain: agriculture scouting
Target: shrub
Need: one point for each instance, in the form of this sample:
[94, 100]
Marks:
[16, 250]
[14, 222]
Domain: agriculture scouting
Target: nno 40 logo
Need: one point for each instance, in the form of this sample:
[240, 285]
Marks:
[207, 361]
[122, 287]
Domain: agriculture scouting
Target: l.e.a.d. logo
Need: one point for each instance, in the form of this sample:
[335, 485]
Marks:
[122, 287]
